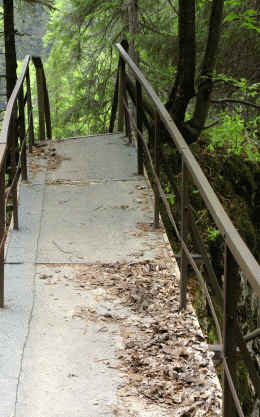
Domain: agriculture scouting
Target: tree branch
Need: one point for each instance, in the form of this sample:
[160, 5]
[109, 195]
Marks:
[211, 124]
[235, 101]
[153, 28]
[173, 7]
[252, 335]
[46, 3]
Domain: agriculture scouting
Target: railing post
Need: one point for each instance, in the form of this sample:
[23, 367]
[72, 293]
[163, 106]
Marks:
[2, 231]
[157, 169]
[29, 111]
[230, 303]
[114, 104]
[40, 97]
[13, 145]
[184, 234]
[139, 115]
[127, 124]
[21, 130]
[46, 106]
[121, 95]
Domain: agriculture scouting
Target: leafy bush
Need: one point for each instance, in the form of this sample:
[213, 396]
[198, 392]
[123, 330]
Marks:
[232, 135]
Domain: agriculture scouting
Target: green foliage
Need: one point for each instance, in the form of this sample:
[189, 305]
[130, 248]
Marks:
[232, 135]
[170, 194]
[213, 233]
[82, 64]
[243, 85]
[246, 18]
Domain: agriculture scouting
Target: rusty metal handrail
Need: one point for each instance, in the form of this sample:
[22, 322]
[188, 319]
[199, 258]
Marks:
[236, 251]
[13, 139]
[240, 251]
[11, 102]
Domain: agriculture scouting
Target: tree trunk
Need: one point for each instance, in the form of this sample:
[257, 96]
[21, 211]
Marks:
[10, 53]
[208, 65]
[183, 90]
[133, 26]
[133, 29]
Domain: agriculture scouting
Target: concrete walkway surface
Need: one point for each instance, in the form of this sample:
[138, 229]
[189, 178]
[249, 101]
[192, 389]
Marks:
[83, 210]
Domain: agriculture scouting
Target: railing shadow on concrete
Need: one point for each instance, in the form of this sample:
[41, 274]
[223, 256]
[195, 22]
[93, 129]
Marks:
[238, 259]
[16, 136]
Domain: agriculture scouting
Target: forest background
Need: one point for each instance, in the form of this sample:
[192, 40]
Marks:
[76, 40]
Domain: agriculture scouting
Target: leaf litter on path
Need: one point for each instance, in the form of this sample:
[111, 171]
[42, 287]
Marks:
[164, 354]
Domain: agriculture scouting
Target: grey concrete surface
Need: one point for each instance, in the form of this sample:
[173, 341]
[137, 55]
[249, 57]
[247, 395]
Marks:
[95, 223]
[22, 244]
[96, 157]
[14, 327]
[95, 219]
[64, 365]
[19, 289]
[91, 208]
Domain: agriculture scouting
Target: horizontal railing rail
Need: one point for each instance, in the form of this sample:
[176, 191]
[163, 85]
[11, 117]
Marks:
[237, 257]
[18, 131]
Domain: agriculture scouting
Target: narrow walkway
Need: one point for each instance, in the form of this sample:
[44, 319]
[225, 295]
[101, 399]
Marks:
[78, 273]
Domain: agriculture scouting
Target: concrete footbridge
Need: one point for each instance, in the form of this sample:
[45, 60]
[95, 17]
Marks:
[95, 314]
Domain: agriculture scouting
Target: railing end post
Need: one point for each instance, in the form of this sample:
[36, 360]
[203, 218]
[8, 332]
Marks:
[157, 168]
[121, 88]
[2, 231]
[139, 115]
[2, 278]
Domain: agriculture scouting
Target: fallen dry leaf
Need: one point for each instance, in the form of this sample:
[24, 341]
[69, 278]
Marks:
[165, 355]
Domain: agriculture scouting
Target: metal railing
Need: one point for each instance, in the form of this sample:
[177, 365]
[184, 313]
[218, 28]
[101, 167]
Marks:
[17, 131]
[237, 257]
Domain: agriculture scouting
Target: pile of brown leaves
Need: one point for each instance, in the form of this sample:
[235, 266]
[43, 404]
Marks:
[165, 354]
[45, 150]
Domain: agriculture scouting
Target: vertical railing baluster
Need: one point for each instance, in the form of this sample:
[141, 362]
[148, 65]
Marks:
[30, 111]
[139, 115]
[21, 105]
[47, 111]
[40, 97]
[2, 231]
[184, 234]
[231, 284]
[157, 169]
[127, 123]
[121, 111]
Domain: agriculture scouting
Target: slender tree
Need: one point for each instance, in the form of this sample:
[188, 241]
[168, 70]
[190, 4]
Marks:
[133, 27]
[10, 52]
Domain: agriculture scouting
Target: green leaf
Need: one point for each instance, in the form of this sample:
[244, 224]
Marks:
[231, 16]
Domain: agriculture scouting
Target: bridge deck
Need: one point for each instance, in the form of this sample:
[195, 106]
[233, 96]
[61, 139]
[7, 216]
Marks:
[85, 223]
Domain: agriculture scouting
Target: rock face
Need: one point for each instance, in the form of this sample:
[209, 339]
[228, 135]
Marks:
[30, 25]
[31, 22]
